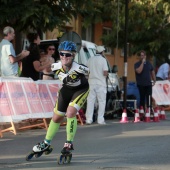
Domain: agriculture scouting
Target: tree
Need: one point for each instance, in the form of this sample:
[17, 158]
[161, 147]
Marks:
[148, 28]
[42, 15]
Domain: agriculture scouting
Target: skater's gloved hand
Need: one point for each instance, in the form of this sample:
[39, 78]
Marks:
[56, 66]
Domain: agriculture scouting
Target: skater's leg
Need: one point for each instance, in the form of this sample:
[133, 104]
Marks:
[78, 100]
[53, 127]
[52, 130]
[71, 128]
[57, 118]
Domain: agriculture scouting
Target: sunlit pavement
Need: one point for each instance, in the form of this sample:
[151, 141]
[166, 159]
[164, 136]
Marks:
[114, 146]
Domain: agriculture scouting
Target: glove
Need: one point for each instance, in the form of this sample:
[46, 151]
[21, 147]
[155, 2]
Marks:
[55, 66]
[83, 70]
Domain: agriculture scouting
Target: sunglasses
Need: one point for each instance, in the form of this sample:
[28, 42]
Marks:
[51, 49]
[65, 54]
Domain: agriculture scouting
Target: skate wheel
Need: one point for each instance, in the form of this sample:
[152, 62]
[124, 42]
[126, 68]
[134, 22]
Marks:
[50, 149]
[37, 155]
[61, 159]
[29, 156]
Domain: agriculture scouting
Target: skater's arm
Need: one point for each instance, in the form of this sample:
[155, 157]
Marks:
[83, 70]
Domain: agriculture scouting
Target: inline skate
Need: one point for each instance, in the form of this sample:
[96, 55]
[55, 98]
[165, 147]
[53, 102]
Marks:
[66, 154]
[39, 149]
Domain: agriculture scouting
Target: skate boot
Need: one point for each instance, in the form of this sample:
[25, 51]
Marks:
[39, 149]
[66, 154]
[68, 147]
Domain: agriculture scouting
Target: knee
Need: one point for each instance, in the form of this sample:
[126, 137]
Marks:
[71, 114]
[57, 119]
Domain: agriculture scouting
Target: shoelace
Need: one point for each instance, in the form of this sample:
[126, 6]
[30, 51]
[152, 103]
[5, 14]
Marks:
[41, 146]
[67, 145]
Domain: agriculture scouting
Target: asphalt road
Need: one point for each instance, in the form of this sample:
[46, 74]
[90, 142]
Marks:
[115, 146]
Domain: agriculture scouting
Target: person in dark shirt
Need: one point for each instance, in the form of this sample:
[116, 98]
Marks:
[145, 78]
[31, 66]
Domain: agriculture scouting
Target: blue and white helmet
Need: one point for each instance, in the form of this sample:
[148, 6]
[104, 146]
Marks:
[67, 46]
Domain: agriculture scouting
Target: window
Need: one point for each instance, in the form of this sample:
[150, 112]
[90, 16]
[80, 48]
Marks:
[107, 31]
[87, 33]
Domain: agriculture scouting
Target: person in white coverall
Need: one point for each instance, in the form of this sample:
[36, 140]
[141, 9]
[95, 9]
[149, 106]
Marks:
[97, 80]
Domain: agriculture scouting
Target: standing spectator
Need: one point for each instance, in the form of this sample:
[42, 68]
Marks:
[47, 73]
[9, 60]
[31, 65]
[145, 74]
[163, 71]
[97, 80]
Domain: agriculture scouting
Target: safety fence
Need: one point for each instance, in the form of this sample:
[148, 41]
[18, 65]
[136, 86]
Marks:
[23, 98]
[161, 92]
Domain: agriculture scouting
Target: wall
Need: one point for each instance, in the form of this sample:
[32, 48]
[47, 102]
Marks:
[115, 58]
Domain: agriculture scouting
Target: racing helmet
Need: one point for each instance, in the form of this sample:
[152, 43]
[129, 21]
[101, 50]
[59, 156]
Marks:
[67, 46]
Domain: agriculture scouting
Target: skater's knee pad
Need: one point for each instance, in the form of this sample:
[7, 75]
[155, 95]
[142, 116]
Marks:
[59, 113]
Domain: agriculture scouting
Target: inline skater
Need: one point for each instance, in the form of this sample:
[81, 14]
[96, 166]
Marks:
[71, 97]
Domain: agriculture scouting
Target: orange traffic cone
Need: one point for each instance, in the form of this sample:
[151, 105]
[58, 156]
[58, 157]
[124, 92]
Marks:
[137, 118]
[163, 117]
[159, 112]
[156, 118]
[147, 116]
[141, 113]
[124, 117]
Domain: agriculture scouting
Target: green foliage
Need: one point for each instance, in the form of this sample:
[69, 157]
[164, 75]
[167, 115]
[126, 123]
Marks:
[38, 14]
[148, 24]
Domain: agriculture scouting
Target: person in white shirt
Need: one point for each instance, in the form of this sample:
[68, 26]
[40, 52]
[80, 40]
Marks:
[163, 71]
[97, 80]
[8, 58]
